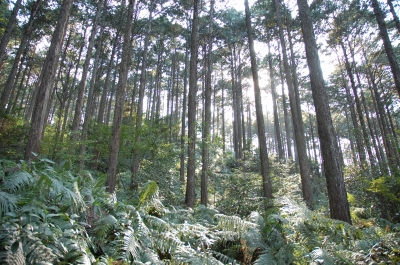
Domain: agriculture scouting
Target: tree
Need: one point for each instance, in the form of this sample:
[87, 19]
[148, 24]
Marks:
[207, 113]
[191, 164]
[338, 204]
[22, 47]
[394, 66]
[47, 77]
[7, 34]
[266, 181]
[119, 101]
[296, 117]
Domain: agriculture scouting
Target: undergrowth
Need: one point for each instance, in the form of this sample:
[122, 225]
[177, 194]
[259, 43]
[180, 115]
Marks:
[51, 215]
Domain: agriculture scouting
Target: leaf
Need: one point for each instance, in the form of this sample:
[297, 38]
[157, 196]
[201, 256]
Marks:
[14, 247]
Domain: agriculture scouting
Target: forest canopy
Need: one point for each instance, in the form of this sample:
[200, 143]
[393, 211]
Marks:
[199, 132]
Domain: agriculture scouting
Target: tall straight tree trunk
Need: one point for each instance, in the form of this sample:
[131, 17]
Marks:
[207, 113]
[184, 107]
[90, 99]
[111, 65]
[190, 195]
[119, 101]
[139, 112]
[7, 33]
[266, 181]
[281, 153]
[297, 119]
[47, 77]
[82, 84]
[394, 14]
[286, 115]
[338, 204]
[24, 42]
[394, 66]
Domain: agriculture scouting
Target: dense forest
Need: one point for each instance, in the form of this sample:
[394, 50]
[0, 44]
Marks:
[199, 132]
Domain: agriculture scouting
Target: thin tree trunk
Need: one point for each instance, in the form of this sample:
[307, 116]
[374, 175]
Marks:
[394, 14]
[119, 102]
[184, 107]
[139, 112]
[207, 113]
[394, 66]
[281, 153]
[82, 84]
[22, 47]
[266, 181]
[190, 195]
[7, 33]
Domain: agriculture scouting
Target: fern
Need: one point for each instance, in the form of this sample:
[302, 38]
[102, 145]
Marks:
[148, 194]
[8, 203]
[17, 181]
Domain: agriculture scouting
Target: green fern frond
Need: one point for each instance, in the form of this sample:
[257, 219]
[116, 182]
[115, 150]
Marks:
[105, 225]
[224, 258]
[131, 245]
[149, 193]
[321, 256]
[157, 223]
[36, 252]
[17, 181]
[233, 223]
[266, 257]
[8, 203]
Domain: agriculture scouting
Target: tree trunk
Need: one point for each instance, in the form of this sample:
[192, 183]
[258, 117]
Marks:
[207, 113]
[139, 112]
[394, 14]
[24, 41]
[286, 115]
[266, 181]
[338, 204]
[184, 107]
[394, 66]
[82, 84]
[46, 83]
[297, 119]
[190, 195]
[119, 101]
[7, 33]
[281, 153]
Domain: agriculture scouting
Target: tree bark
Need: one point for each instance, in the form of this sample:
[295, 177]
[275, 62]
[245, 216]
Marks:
[46, 83]
[338, 204]
[207, 113]
[7, 33]
[139, 112]
[82, 84]
[266, 181]
[281, 153]
[119, 101]
[190, 195]
[297, 119]
[394, 66]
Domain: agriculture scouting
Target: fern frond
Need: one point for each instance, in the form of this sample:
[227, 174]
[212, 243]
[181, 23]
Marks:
[223, 258]
[233, 223]
[17, 181]
[321, 256]
[105, 225]
[149, 193]
[131, 244]
[8, 203]
[266, 257]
